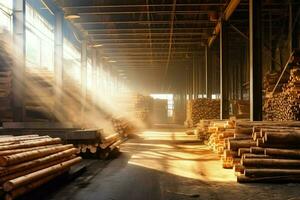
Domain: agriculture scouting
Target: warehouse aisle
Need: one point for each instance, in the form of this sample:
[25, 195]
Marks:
[166, 164]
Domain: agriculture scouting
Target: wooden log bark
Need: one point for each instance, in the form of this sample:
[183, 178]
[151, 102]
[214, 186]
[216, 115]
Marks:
[34, 169]
[242, 151]
[270, 163]
[27, 188]
[257, 150]
[15, 151]
[32, 144]
[288, 137]
[31, 155]
[236, 144]
[27, 165]
[266, 172]
[272, 179]
[29, 178]
[288, 153]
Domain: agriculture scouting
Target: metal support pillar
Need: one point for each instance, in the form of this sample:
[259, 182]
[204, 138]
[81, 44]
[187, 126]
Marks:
[207, 74]
[224, 105]
[83, 77]
[58, 61]
[94, 75]
[255, 55]
[20, 49]
[194, 78]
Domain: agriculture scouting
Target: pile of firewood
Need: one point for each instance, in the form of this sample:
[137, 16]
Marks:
[123, 126]
[6, 62]
[29, 161]
[260, 151]
[199, 109]
[286, 104]
[39, 99]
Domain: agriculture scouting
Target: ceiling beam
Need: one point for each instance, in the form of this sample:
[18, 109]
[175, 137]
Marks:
[233, 4]
[83, 22]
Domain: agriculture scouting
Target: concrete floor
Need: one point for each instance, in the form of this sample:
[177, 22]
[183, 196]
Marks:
[169, 165]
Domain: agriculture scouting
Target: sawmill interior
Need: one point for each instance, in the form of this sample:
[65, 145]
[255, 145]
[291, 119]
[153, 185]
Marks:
[148, 99]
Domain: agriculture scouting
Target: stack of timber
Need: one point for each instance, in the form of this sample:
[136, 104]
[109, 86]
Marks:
[93, 143]
[198, 109]
[285, 105]
[220, 132]
[29, 161]
[241, 109]
[40, 95]
[6, 112]
[206, 129]
[270, 80]
[6, 63]
[143, 109]
[123, 126]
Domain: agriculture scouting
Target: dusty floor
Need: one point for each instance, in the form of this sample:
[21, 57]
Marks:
[167, 164]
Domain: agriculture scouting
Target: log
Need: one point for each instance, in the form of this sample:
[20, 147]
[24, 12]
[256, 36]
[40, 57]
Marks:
[32, 144]
[292, 138]
[236, 144]
[270, 163]
[242, 151]
[34, 169]
[25, 189]
[15, 151]
[288, 153]
[272, 179]
[27, 165]
[257, 150]
[29, 178]
[266, 172]
[249, 155]
[31, 155]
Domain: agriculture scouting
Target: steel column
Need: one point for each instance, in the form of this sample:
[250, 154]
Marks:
[255, 55]
[224, 106]
[83, 77]
[58, 60]
[20, 49]
[94, 75]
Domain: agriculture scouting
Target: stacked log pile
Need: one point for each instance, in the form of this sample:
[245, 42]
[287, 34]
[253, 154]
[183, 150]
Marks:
[286, 104]
[93, 143]
[39, 99]
[29, 161]
[199, 109]
[143, 109]
[260, 151]
[6, 63]
[123, 126]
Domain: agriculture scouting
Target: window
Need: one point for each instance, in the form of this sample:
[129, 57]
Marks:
[39, 41]
[6, 14]
[72, 59]
[170, 99]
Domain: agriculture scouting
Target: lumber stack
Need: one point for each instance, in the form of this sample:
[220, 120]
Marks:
[123, 126]
[6, 63]
[286, 104]
[93, 143]
[198, 109]
[261, 151]
[29, 161]
[220, 133]
[39, 99]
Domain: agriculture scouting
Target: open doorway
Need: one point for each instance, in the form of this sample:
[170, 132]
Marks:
[163, 109]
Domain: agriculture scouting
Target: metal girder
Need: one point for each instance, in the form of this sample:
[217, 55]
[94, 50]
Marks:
[233, 4]
[58, 59]
[83, 22]
[224, 103]
[72, 6]
[140, 43]
[146, 34]
[19, 37]
[162, 12]
[146, 29]
[146, 39]
[83, 77]
[255, 50]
